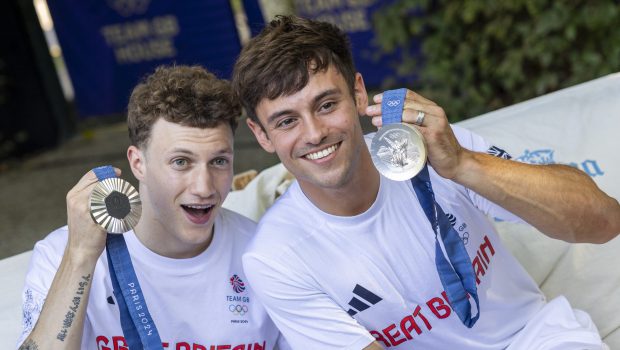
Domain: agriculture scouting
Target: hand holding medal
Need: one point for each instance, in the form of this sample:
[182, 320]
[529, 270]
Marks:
[397, 149]
[430, 135]
[114, 203]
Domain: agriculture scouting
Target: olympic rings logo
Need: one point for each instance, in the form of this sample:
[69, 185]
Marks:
[238, 309]
[393, 103]
[465, 237]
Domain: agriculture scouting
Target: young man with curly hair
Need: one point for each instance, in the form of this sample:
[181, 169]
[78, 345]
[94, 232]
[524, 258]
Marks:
[186, 249]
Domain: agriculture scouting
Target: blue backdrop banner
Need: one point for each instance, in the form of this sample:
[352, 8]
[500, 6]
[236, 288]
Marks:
[108, 45]
[355, 18]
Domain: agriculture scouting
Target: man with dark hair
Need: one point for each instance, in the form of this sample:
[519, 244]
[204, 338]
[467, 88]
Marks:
[350, 259]
[186, 249]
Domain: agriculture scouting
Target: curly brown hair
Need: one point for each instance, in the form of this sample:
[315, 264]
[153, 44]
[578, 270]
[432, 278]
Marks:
[186, 95]
[280, 60]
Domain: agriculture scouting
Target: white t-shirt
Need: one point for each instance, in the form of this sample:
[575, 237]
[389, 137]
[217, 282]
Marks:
[194, 302]
[333, 282]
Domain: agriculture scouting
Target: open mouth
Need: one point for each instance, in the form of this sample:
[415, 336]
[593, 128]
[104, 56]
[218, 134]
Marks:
[198, 214]
[322, 153]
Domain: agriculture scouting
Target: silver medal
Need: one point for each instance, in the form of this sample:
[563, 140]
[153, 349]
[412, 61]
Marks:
[398, 151]
[115, 205]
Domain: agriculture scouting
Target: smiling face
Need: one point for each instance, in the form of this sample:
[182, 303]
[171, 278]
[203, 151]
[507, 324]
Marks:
[316, 131]
[185, 174]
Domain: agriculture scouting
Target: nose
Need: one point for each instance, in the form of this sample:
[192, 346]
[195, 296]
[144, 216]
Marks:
[202, 183]
[315, 130]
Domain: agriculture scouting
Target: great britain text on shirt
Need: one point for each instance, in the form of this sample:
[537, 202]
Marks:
[398, 333]
[119, 343]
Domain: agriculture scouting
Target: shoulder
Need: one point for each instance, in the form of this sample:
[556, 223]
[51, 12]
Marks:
[45, 260]
[286, 224]
[292, 209]
[469, 139]
[472, 141]
[54, 243]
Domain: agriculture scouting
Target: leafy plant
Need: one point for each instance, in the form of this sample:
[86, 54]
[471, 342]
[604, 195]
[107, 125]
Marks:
[478, 56]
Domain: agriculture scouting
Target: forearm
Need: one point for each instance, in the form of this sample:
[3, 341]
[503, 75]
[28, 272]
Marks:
[60, 324]
[558, 200]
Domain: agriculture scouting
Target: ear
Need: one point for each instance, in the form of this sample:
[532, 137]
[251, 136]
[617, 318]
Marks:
[361, 96]
[137, 162]
[261, 135]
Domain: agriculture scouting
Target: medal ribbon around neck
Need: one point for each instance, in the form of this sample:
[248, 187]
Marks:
[138, 326]
[456, 272]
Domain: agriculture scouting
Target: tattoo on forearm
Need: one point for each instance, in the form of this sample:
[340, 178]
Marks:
[75, 303]
[29, 345]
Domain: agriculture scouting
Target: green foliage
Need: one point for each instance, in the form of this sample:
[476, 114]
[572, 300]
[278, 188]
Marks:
[482, 55]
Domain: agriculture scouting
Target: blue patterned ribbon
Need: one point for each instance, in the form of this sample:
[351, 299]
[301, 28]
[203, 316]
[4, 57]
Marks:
[457, 276]
[392, 106]
[456, 273]
[136, 321]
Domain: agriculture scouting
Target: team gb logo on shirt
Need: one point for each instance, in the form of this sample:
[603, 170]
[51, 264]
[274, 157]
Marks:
[237, 284]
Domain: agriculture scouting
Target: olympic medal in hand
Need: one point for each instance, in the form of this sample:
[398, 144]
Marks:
[115, 205]
[398, 151]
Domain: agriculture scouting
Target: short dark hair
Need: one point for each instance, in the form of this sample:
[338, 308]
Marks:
[280, 59]
[186, 95]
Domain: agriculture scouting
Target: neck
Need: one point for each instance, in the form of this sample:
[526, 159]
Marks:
[351, 198]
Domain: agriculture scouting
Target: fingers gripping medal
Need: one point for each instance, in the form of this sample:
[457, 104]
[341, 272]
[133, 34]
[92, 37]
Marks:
[397, 149]
[114, 203]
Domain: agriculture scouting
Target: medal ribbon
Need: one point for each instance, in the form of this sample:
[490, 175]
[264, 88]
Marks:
[456, 273]
[136, 321]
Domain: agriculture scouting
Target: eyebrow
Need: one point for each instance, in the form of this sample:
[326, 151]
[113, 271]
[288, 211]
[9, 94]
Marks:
[182, 151]
[315, 101]
[225, 150]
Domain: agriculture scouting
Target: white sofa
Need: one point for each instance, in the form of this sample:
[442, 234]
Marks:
[577, 126]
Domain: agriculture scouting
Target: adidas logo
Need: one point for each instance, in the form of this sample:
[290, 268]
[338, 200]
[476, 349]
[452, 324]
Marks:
[366, 296]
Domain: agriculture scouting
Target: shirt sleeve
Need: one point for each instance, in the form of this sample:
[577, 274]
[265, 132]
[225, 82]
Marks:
[476, 143]
[41, 271]
[307, 317]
